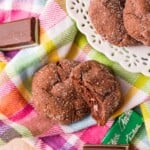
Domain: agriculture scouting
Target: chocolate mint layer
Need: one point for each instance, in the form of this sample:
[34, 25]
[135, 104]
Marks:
[106, 147]
[19, 34]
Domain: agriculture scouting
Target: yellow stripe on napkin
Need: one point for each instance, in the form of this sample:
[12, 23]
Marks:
[145, 108]
[126, 98]
[53, 56]
[47, 43]
[142, 83]
[2, 65]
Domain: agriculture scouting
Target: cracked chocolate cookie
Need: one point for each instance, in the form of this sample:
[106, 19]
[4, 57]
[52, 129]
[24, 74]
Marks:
[137, 20]
[67, 91]
[54, 96]
[100, 89]
[107, 18]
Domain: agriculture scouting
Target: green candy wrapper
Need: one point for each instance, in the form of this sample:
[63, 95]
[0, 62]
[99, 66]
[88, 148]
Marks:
[124, 128]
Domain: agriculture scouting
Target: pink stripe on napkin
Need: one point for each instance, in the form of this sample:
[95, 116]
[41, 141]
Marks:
[22, 114]
[48, 18]
[19, 14]
[6, 88]
[95, 134]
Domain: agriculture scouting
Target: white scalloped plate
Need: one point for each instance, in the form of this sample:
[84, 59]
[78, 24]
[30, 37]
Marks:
[134, 59]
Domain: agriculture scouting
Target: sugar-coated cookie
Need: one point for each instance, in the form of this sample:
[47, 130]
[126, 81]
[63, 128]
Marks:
[107, 18]
[101, 89]
[54, 96]
[137, 20]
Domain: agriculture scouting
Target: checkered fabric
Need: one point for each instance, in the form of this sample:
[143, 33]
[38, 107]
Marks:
[59, 38]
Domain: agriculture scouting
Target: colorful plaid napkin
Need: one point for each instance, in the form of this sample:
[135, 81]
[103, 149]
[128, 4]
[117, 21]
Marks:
[59, 39]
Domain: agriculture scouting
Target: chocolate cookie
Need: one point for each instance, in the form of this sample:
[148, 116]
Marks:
[101, 90]
[107, 18]
[55, 96]
[137, 20]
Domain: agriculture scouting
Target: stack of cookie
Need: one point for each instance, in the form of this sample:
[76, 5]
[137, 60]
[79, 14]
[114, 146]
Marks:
[122, 22]
[68, 90]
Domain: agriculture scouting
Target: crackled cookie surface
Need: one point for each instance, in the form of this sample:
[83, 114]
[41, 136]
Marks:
[67, 91]
[101, 89]
[137, 20]
[54, 95]
[107, 18]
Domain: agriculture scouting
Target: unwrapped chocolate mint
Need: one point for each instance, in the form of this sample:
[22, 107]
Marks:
[106, 147]
[19, 34]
